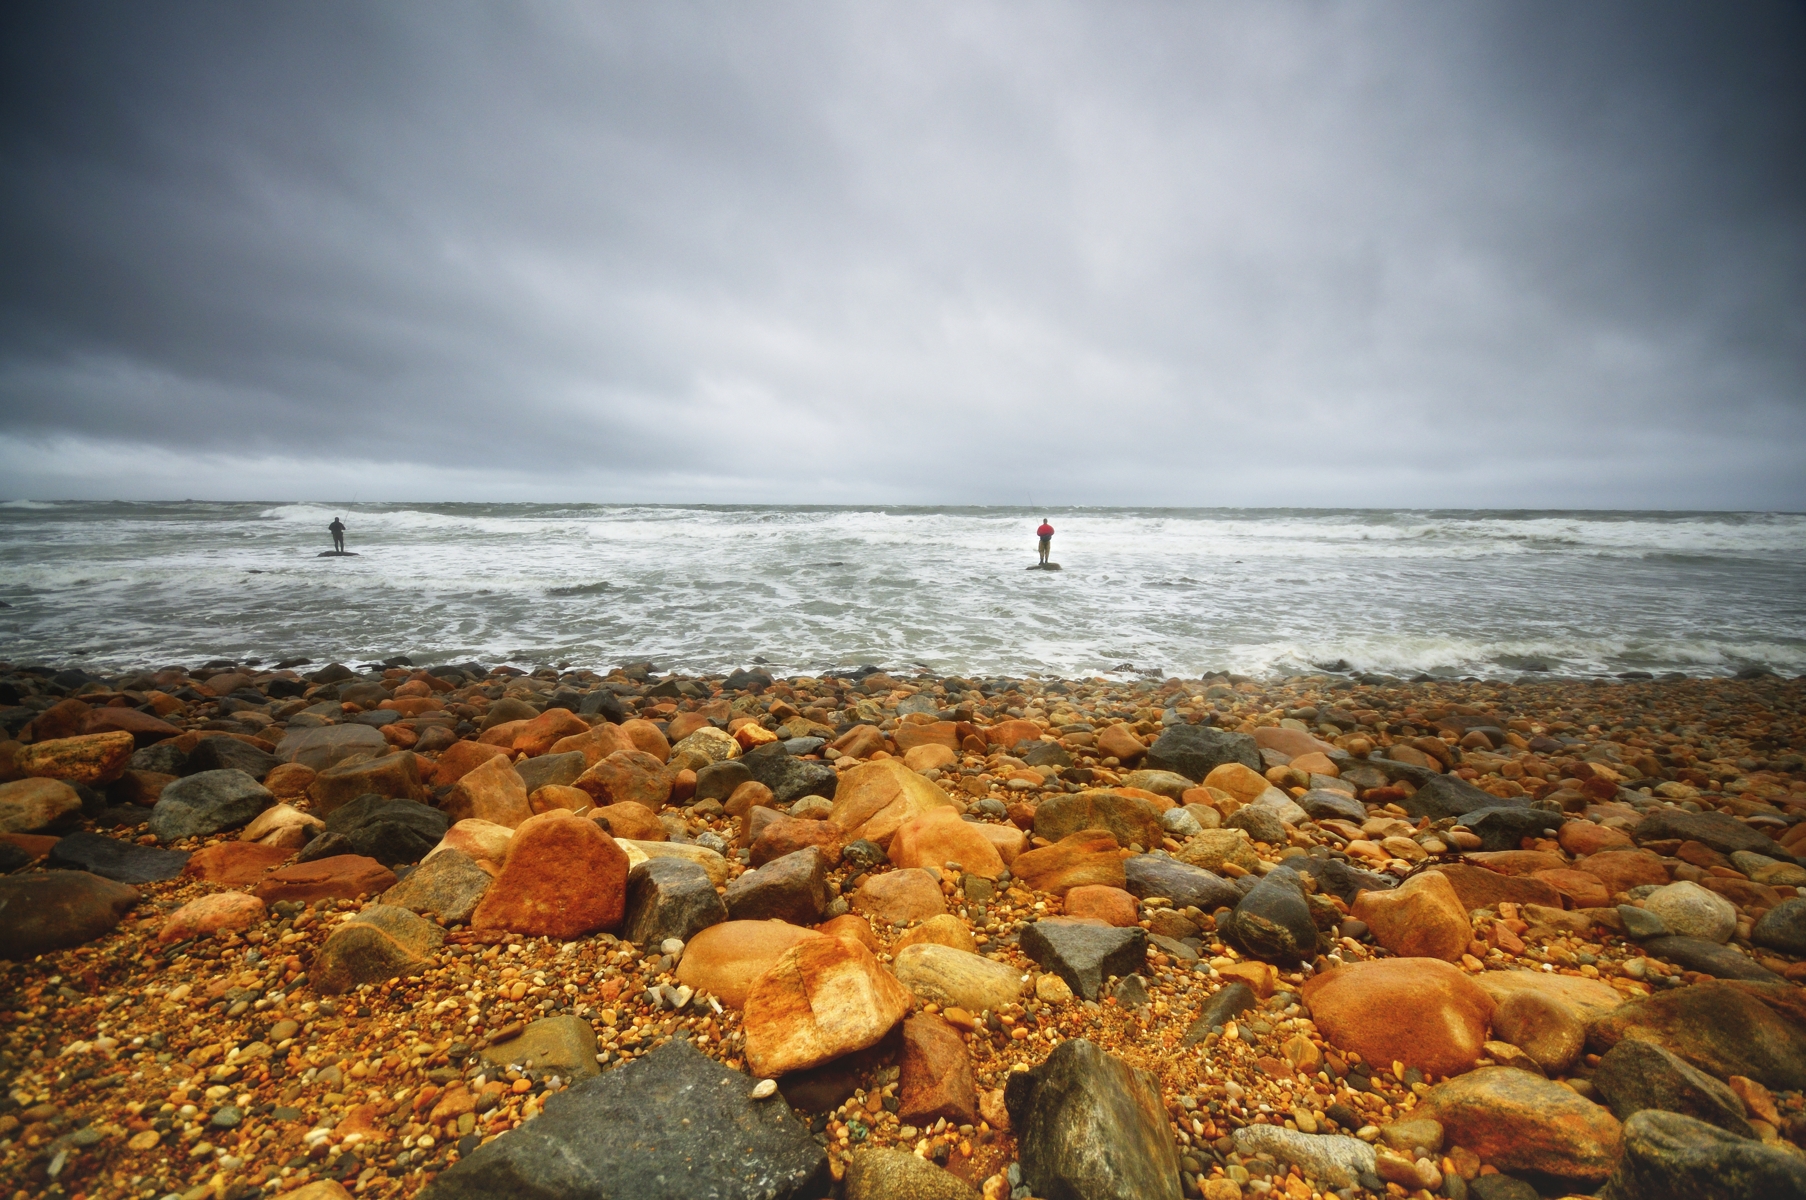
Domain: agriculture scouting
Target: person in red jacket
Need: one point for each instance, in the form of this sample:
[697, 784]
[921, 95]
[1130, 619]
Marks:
[1045, 533]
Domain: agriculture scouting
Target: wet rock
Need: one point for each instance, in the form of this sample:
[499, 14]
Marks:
[1220, 1009]
[563, 1046]
[780, 835]
[1327, 1158]
[491, 791]
[328, 745]
[551, 770]
[1668, 1156]
[209, 802]
[1090, 856]
[230, 754]
[92, 758]
[956, 978]
[824, 997]
[1323, 804]
[900, 1175]
[1721, 831]
[1337, 878]
[1421, 918]
[1112, 906]
[1522, 1122]
[1783, 928]
[613, 1137]
[381, 942]
[899, 897]
[724, 960]
[123, 862]
[791, 778]
[941, 836]
[793, 888]
[629, 777]
[30, 805]
[1724, 1029]
[1440, 796]
[874, 798]
[1195, 750]
[389, 830]
[563, 878]
[1147, 875]
[1479, 888]
[1708, 958]
[282, 825]
[56, 910]
[936, 1079]
[1622, 870]
[1273, 921]
[1504, 826]
[448, 884]
[1131, 820]
[1418, 1011]
[1090, 1126]
[339, 877]
[210, 915]
[1084, 955]
[669, 898]
[235, 864]
[1635, 1075]
[1551, 1033]
[1689, 910]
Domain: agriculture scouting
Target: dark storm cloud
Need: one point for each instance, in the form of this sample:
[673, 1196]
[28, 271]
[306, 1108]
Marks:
[1514, 254]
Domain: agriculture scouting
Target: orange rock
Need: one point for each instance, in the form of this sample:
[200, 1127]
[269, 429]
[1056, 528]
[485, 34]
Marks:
[1315, 763]
[1088, 856]
[235, 864]
[595, 745]
[1421, 1012]
[484, 841]
[748, 796]
[1519, 1121]
[1421, 918]
[556, 795]
[1244, 784]
[1581, 838]
[823, 998]
[936, 1076]
[1008, 733]
[751, 735]
[944, 930]
[502, 735]
[412, 706]
[1581, 888]
[87, 758]
[941, 836]
[861, 741]
[899, 897]
[144, 728]
[854, 926]
[724, 960]
[492, 791]
[212, 914]
[629, 776]
[563, 878]
[1111, 905]
[289, 781]
[1517, 862]
[396, 774]
[683, 725]
[874, 798]
[646, 737]
[1480, 888]
[1261, 977]
[941, 734]
[1007, 840]
[61, 720]
[1291, 742]
[539, 734]
[783, 835]
[461, 758]
[929, 757]
[1120, 742]
[1622, 870]
[340, 877]
[634, 822]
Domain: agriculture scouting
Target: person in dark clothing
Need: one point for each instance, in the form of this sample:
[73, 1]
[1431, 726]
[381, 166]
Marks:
[1045, 533]
[338, 535]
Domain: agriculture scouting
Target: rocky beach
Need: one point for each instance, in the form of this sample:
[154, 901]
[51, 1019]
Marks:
[317, 929]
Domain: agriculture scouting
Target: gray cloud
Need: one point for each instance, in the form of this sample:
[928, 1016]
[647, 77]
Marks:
[1515, 254]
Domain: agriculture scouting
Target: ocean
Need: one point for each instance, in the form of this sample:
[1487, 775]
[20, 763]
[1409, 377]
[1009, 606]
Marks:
[807, 589]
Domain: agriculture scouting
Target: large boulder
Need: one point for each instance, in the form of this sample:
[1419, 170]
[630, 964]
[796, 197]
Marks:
[629, 777]
[1440, 796]
[1418, 1011]
[1635, 1075]
[874, 798]
[89, 758]
[1721, 831]
[823, 998]
[1147, 875]
[1194, 751]
[618, 1136]
[1668, 1156]
[120, 861]
[563, 878]
[209, 802]
[381, 942]
[1090, 856]
[30, 805]
[792, 888]
[1130, 819]
[790, 778]
[327, 745]
[336, 877]
[1422, 918]
[1273, 921]
[491, 791]
[1090, 1126]
[724, 960]
[55, 910]
[1518, 1121]
[231, 754]
[669, 898]
[1724, 1029]
[936, 1077]
[941, 836]
[389, 830]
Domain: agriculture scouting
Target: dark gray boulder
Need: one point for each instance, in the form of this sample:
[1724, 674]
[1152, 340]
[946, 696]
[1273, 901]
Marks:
[1635, 1075]
[1783, 928]
[1194, 751]
[670, 898]
[230, 754]
[790, 779]
[1668, 1156]
[1185, 885]
[388, 829]
[1338, 878]
[163, 758]
[551, 769]
[208, 802]
[792, 887]
[1273, 921]
[1721, 831]
[54, 910]
[1708, 958]
[717, 781]
[122, 862]
[1085, 955]
[1323, 804]
[1504, 827]
[1440, 796]
[670, 1126]
[1090, 1127]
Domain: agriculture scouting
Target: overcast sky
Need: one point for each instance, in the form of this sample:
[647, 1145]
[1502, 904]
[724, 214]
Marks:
[1426, 254]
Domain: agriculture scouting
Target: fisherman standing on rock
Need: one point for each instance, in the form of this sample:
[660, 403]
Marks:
[1045, 533]
[337, 529]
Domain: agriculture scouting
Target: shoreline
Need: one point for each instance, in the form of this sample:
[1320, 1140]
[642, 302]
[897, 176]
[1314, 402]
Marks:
[1354, 797]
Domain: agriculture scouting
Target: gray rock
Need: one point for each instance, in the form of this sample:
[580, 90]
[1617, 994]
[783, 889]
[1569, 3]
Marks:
[1708, 958]
[1084, 955]
[163, 758]
[1783, 928]
[1503, 827]
[717, 781]
[618, 1137]
[1047, 754]
[900, 1175]
[1440, 796]
[670, 898]
[551, 769]
[1325, 1157]
[1641, 923]
[1260, 822]
[1131, 992]
[790, 779]
[1501, 1187]
[448, 884]
[230, 754]
[563, 1046]
[208, 802]
[1668, 1156]
[329, 745]
[1323, 804]
[1194, 751]
[123, 862]
[55, 910]
[1273, 921]
[389, 830]
[792, 887]
[1721, 831]
[796, 747]
[1635, 1075]
[1691, 911]
[1088, 1126]
[380, 942]
[1220, 1009]
[1180, 823]
[1157, 875]
[1338, 878]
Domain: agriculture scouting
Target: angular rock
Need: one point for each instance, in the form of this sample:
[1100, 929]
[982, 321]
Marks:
[936, 1079]
[1090, 856]
[88, 758]
[396, 775]
[381, 942]
[1440, 796]
[791, 778]
[1090, 1126]
[1195, 750]
[1522, 1122]
[1668, 1156]
[563, 878]
[824, 997]
[874, 798]
[1622, 870]
[1147, 875]
[717, 781]
[235, 864]
[485, 842]
[230, 754]
[669, 898]
[1261, 822]
[629, 777]
[1083, 954]
[563, 1046]
[1635, 1075]
[338, 877]
[30, 805]
[122, 862]
[57, 910]
[900, 1175]
[793, 888]
[389, 830]
[1422, 918]
[146, 730]
[461, 758]
[635, 822]
[209, 802]
[492, 791]
[328, 745]
[540, 732]
[1213, 848]
[780, 835]
[552, 770]
[1332, 1159]
[1220, 1009]
[1132, 821]
[1273, 921]
[613, 1137]
[941, 836]
[1418, 1011]
[899, 897]
[955, 978]
[724, 960]
[1724, 1029]
[447, 884]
